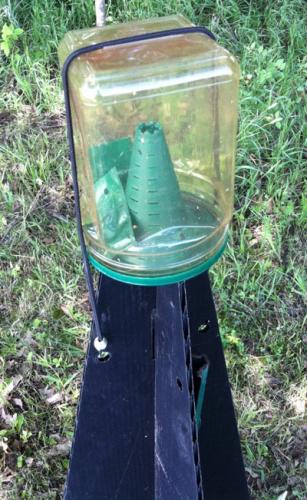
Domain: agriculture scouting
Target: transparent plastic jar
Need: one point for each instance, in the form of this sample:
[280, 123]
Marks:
[154, 127]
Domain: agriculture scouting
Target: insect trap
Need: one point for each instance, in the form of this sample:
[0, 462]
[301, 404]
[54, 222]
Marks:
[152, 112]
[153, 108]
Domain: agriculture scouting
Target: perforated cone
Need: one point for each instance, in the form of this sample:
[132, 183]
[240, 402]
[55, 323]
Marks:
[152, 190]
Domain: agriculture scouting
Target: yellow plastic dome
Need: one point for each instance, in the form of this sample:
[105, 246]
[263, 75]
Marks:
[154, 126]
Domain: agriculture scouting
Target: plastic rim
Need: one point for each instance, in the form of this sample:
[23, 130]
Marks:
[159, 280]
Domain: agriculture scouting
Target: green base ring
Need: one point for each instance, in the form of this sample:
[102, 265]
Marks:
[159, 280]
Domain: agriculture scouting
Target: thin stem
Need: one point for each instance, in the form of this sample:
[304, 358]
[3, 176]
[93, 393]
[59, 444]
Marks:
[100, 6]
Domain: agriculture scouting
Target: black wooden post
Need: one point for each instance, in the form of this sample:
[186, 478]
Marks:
[136, 435]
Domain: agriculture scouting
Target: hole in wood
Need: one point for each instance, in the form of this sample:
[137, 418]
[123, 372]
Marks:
[194, 435]
[104, 356]
[199, 363]
[192, 411]
[179, 383]
[188, 359]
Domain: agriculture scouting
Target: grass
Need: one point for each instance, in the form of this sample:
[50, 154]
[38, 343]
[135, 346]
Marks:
[259, 284]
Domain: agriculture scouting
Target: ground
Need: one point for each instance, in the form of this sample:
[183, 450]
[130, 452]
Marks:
[258, 285]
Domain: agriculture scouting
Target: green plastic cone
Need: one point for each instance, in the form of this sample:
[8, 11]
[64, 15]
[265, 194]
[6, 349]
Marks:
[152, 189]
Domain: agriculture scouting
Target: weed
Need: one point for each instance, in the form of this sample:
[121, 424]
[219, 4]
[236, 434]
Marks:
[10, 35]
